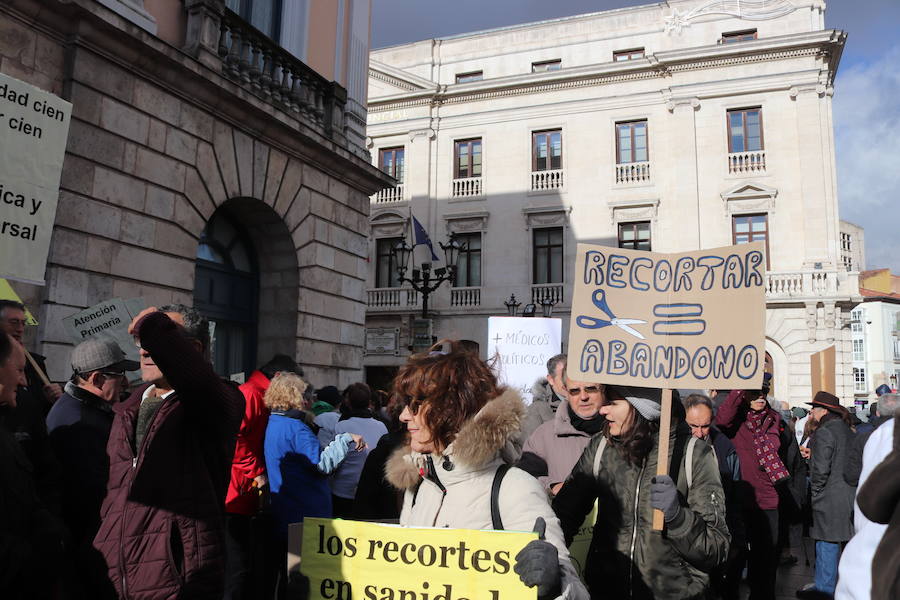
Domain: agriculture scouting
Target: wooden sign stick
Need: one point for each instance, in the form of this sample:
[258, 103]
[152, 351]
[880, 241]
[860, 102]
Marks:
[662, 464]
[34, 364]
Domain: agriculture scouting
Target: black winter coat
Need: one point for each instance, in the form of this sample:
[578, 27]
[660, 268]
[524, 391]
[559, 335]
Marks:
[832, 497]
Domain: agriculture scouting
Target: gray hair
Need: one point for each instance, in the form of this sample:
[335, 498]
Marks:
[888, 404]
[196, 326]
[554, 362]
[698, 400]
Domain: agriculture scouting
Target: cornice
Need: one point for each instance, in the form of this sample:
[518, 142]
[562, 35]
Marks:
[826, 44]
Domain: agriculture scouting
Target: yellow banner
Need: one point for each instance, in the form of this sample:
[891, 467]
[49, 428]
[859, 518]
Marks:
[7, 293]
[369, 561]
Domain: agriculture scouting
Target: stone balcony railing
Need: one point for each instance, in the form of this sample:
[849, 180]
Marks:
[394, 194]
[747, 162]
[547, 291]
[547, 180]
[392, 299]
[465, 296]
[810, 285]
[637, 172]
[256, 63]
[469, 186]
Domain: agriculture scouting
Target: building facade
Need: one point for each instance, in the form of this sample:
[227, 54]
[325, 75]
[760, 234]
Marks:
[216, 157]
[875, 332]
[675, 126]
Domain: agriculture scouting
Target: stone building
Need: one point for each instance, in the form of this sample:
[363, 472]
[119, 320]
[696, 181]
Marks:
[210, 161]
[674, 126]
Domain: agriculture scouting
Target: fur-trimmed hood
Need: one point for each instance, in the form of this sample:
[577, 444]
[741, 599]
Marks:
[477, 444]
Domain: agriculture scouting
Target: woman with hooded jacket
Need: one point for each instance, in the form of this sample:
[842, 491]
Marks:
[461, 424]
[627, 558]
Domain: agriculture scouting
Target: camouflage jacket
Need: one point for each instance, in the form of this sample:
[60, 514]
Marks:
[627, 559]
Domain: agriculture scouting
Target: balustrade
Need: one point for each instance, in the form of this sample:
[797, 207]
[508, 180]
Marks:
[465, 296]
[469, 186]
[637, 172]
[547, 291]
[394, 194]
[547, 180]
[747, 162]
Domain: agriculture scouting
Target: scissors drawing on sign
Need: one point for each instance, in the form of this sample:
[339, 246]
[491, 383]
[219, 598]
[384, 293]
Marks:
[599, 300]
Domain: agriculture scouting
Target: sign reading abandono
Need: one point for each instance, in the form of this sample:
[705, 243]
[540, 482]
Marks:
[687, 320]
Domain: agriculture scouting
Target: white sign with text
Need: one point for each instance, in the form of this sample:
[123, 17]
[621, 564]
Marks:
[523, 345]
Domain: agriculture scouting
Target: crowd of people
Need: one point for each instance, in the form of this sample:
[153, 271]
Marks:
[185, 485]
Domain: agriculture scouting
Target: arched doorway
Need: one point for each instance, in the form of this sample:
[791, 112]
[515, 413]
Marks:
[226, 290]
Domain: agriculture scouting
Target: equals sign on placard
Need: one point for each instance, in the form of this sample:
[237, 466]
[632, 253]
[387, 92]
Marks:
[679, 319]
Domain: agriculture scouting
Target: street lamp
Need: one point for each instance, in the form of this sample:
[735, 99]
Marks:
[512, 305]
[423, 279]
[547, 306]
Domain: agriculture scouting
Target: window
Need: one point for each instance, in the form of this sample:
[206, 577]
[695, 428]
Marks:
[546, 150]
[392, 162]
[732, 37]
[631, 142]
[546, 65]
[859, 351]
[635, 236]
[468, 266]
[548, 255]
[859, 380]
[634, 53]
[265, 15]
[468, 159]
[751, 228]
[896, 348]
[745, 130]
[469, 77]
[856, 318]
[386, 268]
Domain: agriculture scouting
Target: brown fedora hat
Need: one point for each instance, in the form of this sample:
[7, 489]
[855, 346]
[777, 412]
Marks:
[829, 401]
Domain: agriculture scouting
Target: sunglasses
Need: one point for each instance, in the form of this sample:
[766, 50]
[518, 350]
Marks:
[589, 389]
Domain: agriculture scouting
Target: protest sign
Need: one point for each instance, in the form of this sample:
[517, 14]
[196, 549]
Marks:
[821, 366]
[692, 319]
[8, 293]
[34, 125]
[108, 319]
[523, 346]
[353, 559]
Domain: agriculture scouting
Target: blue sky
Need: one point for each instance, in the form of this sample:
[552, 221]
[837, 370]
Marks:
[866, 100]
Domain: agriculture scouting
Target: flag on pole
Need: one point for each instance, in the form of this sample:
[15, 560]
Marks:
[420, 236]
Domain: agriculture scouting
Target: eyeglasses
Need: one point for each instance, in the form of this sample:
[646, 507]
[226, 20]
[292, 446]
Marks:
[589, 389]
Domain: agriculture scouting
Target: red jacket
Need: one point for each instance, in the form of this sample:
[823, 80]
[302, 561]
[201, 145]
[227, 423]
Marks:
[162, 528]
[731, 419]
[249, 461]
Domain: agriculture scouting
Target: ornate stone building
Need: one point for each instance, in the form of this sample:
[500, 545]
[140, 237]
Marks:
[210, 161]
[673, 126]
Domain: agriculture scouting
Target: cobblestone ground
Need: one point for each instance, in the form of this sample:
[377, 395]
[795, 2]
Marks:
[791, 577]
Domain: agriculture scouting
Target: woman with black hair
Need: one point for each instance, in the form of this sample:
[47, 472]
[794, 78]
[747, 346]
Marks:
[627, 558]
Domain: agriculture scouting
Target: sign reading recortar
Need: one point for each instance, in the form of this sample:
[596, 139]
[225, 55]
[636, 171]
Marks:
[693, 319]
[34, 125]
[369, 561]
[523, 346]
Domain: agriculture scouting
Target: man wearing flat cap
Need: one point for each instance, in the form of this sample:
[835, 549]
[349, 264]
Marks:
[79, 424]
[832, 497]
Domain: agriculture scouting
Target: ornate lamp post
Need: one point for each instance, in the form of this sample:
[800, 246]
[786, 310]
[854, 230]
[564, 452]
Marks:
[425, 280]
[547, 306]
[512, 305]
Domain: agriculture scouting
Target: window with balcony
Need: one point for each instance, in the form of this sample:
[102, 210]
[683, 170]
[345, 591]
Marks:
[469, 77]
[392, 161]
[468, 266]
[546, 160]
[632, 54]
[385, 265]
[751, 228]
[632, 155]
[859, 351]
[547, 252]
[732, 37]
[265, 15]
[635, 236]
[746, 149]
[859, 380]
[546, 65]
[467, 168]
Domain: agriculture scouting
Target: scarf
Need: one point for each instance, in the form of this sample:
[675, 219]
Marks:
[758, 423]
[589, 426]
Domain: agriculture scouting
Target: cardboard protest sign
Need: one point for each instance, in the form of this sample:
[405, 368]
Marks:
[692, 319]
[352, 559]
[34, 125]
[523, 345]
[108, 319]
[822, 376]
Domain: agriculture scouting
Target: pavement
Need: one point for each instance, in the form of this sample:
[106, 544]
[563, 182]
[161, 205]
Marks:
[790, 578]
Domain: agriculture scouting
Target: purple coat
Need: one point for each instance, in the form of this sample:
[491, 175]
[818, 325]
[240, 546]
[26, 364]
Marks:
[162, 532]
[731, 419]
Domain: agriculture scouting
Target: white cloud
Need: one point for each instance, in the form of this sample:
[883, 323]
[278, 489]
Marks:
[867, 142]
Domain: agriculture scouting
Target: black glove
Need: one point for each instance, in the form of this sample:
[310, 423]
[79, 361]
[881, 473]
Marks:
[664, 496]
[537, 564]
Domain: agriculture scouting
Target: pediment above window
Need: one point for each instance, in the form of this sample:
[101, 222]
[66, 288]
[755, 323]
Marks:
[548, 216]
[466, 222]
[388, 223]
[749, 197]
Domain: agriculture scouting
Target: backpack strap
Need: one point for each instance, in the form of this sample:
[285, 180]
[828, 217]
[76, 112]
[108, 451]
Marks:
[598, 456]
[689, 462]
[495, 497]
[678, 448]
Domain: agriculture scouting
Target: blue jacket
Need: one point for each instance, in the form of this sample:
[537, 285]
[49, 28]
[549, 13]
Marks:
[297, 469]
